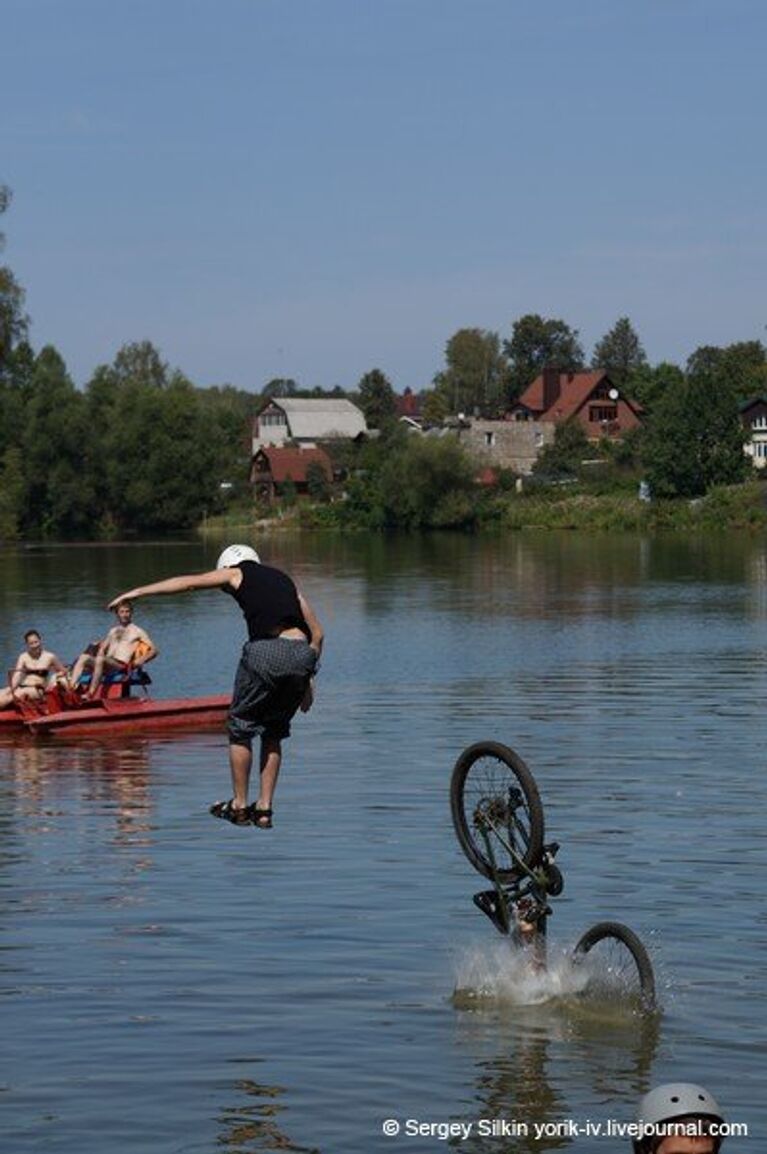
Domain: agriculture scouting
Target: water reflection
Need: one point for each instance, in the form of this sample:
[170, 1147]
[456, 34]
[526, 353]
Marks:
[140, 938]
[255, 1125]
[536, 1051]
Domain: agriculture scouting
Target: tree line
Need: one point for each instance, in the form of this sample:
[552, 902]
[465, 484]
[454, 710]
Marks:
[142, 449]
[138, 450]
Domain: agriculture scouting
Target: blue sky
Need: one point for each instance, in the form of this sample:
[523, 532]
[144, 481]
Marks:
[313, 188]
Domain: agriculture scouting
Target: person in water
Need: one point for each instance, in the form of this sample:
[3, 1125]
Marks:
[32, 671]
[679, 1118]
[126, 645]
[274, 675]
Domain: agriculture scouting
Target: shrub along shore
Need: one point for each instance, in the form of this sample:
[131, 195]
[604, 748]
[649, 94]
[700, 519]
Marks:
[729, 508]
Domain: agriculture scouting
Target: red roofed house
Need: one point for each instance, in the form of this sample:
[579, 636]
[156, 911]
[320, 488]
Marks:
[273, 467]
[588, 397]
[408, 406]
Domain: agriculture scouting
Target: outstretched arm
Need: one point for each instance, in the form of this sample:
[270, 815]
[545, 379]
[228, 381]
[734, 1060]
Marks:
[215, 579]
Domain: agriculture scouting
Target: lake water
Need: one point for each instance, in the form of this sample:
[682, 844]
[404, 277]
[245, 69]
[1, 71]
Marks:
[175, 984]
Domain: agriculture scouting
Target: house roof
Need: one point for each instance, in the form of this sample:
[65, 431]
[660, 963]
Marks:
[746, 405]
[407, 404]
[574, 390]
[311, 419]
[292, 463]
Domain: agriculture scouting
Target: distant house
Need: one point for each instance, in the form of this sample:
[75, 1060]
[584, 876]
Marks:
[272, 468]
[590, 398]
[753, 414]
[408, 408]
[306, 422]
[505, 444]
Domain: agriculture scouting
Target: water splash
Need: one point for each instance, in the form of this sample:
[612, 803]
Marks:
[502, 972]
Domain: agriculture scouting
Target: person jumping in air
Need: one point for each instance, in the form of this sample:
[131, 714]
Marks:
[274, 676]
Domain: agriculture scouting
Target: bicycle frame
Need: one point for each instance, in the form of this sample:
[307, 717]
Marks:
[520, 909]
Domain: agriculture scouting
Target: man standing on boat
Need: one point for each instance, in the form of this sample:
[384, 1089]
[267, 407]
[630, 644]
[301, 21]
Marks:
[125, 646]
[274, 676]
[32, 670]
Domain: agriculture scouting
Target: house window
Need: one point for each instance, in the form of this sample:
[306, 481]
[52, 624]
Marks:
[271, 419]
[760, 449]
[603, 413]
[489, 439]
[759, 422]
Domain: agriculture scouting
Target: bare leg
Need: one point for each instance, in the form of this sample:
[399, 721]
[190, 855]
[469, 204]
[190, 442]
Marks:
[240, 761]
[101, 664]
[23, 693]
[79, 667]
[98, 673]
[271, 758]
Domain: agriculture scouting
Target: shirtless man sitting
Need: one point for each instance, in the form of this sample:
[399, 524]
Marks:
[32, 671]
[125, 645]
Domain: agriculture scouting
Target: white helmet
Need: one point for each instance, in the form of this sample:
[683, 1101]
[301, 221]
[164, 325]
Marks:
[234, 554]
[675, 1100]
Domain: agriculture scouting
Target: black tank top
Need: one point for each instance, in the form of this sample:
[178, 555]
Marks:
[269, 600]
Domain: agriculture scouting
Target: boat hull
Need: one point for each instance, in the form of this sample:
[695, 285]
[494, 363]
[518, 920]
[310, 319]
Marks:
[123, 714]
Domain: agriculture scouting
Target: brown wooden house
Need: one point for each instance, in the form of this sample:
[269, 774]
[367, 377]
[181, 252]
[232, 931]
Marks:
[590, 398]
[273, 467]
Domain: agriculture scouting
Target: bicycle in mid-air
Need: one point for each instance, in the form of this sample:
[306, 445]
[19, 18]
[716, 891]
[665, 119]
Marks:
[498, 819]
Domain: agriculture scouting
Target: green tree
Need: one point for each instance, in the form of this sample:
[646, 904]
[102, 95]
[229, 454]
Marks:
[280, 387]
[13, 319]
[620, 353]
[11, 493]
[434, 407]
[475, 377]
[564, 455]
[156, 451]
[648, 384]
[15, 390]
[694, 440]
[289, 493]
[139, 363]
[377, 399]
[537, 343]
[317, 483]
[229, 416]
[58, 496]
[739, 367]
[425, 482]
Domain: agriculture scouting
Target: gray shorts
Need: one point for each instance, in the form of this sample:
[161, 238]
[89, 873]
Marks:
[271, 681]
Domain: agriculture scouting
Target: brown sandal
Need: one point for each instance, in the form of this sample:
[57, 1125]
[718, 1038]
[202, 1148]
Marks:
[227, 810]
[261, 818]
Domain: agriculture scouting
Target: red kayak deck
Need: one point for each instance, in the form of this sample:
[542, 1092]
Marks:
[122, 714]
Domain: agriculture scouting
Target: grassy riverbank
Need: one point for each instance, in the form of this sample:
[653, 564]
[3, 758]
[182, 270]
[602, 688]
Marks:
[728, 507]
[577, 507]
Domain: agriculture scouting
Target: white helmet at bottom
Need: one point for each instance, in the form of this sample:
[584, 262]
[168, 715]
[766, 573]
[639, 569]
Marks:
[672, 1101]
[234, 554]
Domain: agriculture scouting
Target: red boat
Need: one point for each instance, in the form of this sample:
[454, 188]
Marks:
[113, 710]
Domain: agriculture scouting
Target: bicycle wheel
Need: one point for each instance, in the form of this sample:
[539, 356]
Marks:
[496, 809]
[619, 963]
